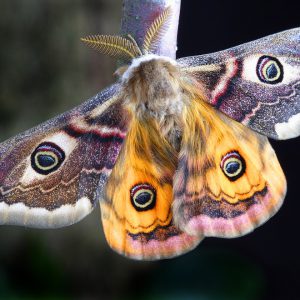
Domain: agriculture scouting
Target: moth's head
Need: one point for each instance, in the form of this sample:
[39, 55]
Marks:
[148, 67]
[151, 77]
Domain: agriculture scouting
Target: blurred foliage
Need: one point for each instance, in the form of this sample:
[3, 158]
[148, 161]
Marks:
[43, 64]
[45, 70]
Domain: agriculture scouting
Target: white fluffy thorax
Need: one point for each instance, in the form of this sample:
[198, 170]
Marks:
[145, 58]
[152, 87]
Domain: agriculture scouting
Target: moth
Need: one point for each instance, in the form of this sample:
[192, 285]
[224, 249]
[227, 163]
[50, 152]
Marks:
[174, 151]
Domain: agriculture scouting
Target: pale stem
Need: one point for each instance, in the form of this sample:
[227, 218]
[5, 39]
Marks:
[138, 15]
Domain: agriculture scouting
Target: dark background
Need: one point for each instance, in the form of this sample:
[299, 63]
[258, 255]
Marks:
[44, 70]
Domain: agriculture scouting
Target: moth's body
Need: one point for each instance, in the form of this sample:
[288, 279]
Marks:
[152, 90]
[165, 150]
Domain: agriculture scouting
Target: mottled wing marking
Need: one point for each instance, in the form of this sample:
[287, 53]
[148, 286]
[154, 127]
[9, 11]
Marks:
[228, 179]
[90, 139]
[233, 86]
[137, 227]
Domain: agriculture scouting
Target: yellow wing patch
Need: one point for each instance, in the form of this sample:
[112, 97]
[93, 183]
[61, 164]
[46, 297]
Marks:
[136, 209]
[229, 180]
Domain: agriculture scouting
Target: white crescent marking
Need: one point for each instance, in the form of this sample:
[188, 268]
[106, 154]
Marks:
[20, 214]
[289, 129]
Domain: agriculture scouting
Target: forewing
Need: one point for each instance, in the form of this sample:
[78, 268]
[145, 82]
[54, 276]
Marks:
[228, 179]
[136, 209]
[257, 83]
[52, 175]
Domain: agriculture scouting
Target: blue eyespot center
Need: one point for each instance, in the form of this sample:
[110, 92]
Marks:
[233, 165]
[143, 197]
[47, 158]
[272, 71]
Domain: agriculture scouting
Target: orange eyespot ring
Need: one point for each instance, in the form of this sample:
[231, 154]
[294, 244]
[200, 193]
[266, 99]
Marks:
[233, 165]
[143, 197]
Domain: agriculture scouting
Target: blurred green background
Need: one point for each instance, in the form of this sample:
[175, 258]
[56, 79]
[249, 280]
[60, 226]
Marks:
[45, 70]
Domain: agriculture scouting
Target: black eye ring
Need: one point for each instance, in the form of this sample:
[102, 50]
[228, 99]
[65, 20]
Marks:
[269, 70]
[47, 158]
[233, 165]
[143, 197]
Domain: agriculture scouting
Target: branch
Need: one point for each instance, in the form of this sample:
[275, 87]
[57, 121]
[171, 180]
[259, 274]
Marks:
[138, 15]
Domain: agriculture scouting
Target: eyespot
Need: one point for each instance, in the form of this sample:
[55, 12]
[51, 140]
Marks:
[143, 197]
[46, 158]
[233, 165]
[269, 70]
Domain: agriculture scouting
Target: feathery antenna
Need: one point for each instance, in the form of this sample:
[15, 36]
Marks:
[156, 30]
[113, 46]
[126, 47]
